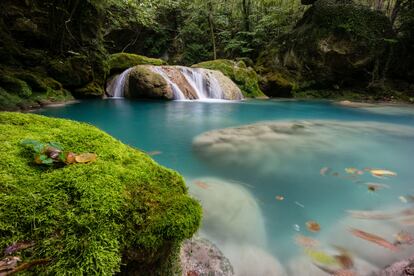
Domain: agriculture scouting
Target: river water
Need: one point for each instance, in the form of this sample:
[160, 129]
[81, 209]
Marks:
[280, 165]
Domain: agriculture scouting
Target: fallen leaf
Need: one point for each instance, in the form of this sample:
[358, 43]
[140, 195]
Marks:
[70, 158]
[313, 226]
[373, 187]
[153, 153]
[201, 184]
[370, 215]
[351, 170]
[324, 171]
[280, 198]
[403, 238]
[85, 157]
[382, 173]
[373, 238]
[320, 257]
[304, 241]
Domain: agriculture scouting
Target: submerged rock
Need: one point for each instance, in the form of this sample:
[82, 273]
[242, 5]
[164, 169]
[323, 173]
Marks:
[268, 145]
[201, 257]
[231, 213]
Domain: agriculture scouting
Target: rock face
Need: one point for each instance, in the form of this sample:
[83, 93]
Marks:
[201, 257]
[337, 42]
[145, 83]
[244, 77]
[121, 209]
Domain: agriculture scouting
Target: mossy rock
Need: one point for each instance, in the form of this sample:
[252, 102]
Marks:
[144, 83]
[276, 84]
[15, 85]
[121, 61]
[91, 90]
[337, 42]
[72, 72]
[87, 219]
[245, 77]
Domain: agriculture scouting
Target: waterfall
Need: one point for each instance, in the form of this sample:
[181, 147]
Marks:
[184, 83]
[119, 83]
[203, 82]
[178, 94]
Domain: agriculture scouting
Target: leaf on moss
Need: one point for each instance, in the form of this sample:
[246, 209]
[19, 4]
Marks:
[85, 158]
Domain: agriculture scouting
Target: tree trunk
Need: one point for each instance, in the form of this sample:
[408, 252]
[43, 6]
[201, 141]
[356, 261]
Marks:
[211, 24]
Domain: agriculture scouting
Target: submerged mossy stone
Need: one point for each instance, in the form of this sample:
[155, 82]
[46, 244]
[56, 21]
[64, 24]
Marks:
[121, 61]
[337, 42]
[245, 77]
[145, 83]
[87, 219]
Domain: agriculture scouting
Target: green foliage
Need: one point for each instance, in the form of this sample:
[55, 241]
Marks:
[245, 77]
[86, 217]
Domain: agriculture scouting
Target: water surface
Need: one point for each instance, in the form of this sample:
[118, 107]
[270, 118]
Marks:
[241, 187]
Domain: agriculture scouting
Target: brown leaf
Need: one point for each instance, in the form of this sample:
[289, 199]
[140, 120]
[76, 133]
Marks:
[313, 226]
[85, 157]
[70, 158]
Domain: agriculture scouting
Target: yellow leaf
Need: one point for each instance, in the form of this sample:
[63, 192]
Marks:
[85, 157]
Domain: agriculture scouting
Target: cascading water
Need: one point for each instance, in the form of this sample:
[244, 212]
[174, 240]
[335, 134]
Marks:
[119, 84]
[178, 94]
[205, 85]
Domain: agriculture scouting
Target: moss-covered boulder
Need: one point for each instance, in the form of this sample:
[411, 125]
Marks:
[244, 77]
[121, 61]
[145, 83]
[337, 42]
[22, 89]
[88, 219]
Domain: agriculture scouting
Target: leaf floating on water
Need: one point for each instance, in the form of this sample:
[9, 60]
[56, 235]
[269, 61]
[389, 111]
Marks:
[201, 184]
[344, 258]
[324, 171]
[373, 187]
[154, 153]
[306, 242]
[382, 173]
[403, 199]
[370, 215]
[313, 226]
[404, 238]
[280, 198]
[320, 257]
[373, 238]
[299, 204]
[85, 158]
[351, 170]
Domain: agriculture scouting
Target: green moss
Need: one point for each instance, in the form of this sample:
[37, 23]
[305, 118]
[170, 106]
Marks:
[121, 61]
[245, 77]
[86, 218]
[8, 101]
[92, 89]
[15, 85]
[72, 72]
